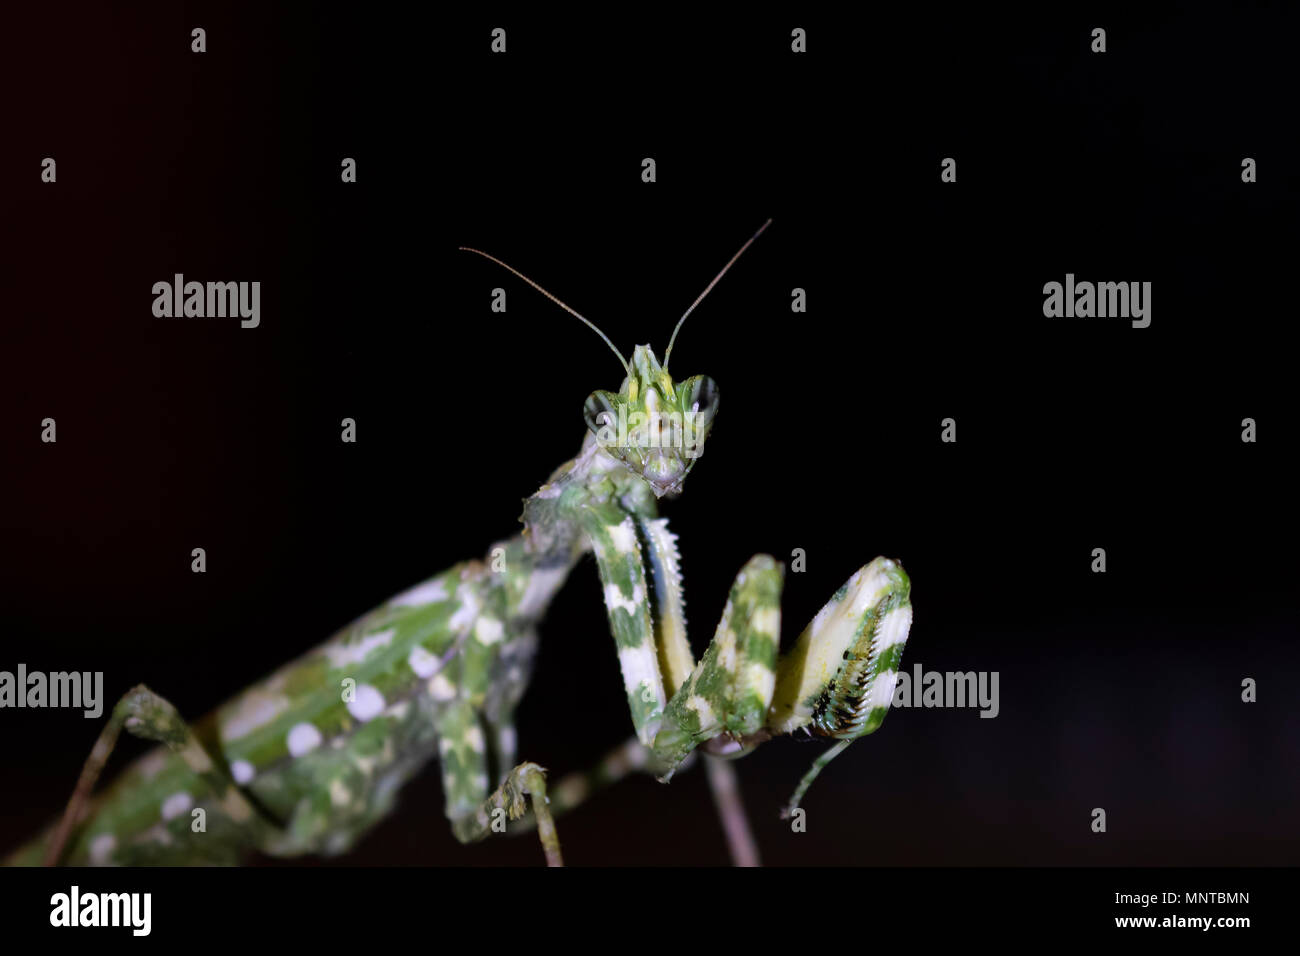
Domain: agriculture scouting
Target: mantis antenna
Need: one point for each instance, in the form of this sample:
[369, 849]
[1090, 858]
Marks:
[709, 288]
[626, 368]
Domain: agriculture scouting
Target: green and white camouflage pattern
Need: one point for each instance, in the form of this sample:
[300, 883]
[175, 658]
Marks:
[312, 757]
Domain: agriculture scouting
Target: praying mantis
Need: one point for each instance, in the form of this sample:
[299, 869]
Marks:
[312, 757]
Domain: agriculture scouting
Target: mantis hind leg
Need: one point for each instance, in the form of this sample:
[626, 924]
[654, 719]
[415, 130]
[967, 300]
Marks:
[473, 811]
[507, 803]
[144, 714]
[574, 789]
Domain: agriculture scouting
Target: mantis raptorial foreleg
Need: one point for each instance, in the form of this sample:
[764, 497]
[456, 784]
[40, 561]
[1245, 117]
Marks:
[836, 681]
[613, 537]
[677, 664]
[729, 691]
[660, 547]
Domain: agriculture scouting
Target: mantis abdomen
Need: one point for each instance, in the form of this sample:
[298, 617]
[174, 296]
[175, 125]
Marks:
[318, 750]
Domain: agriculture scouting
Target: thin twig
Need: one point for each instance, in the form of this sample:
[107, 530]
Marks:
[731, 810]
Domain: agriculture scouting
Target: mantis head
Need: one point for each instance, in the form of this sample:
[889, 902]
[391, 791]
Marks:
[653, 426]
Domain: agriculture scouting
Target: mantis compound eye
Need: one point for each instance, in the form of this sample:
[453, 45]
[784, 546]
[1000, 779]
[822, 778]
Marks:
[601, 416]
[699, 395]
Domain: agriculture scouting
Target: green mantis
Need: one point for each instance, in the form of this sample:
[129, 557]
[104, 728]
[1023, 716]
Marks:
[312, 757]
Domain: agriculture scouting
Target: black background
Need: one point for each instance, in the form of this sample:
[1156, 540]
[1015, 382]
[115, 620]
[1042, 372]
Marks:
[1119, 690]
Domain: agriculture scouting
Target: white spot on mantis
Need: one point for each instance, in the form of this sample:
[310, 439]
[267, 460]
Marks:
[422, 662]
[303, 739]
[726, 644]
[614, 599]
[893, 629]
[623, 536]
[602, 462]
[760, 679]
[703, 710]
[242, 771]
[152, 763]
[465, 614]
[489, 631]
[767, 621]
[366, 764]
[641, 671]
[882, 691]
[542, 585]
[340, 795]
[872, 590]
[398, 710]
[367, 704]
[474, 739]
[463, 617]
[254, 709]
[430, 592]
[442, 689]
[345, 654]
[176, 804]
[101, 848]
